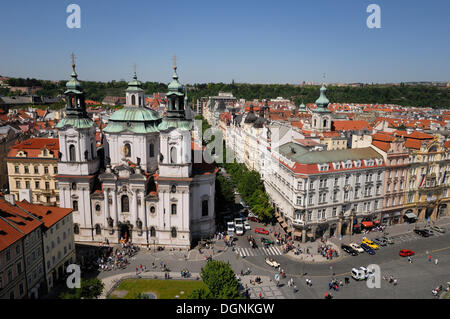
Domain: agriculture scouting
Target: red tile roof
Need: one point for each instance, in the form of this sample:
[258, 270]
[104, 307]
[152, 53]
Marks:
[49, 215]
[34, 146]
[350, 125]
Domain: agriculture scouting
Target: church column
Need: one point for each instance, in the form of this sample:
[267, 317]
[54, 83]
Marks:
[135, 204]
[106, 203]
[115, 210]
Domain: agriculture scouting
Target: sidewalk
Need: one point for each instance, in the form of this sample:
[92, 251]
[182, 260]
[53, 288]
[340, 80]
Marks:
[112, 281]
[393, 230]
[313, 256]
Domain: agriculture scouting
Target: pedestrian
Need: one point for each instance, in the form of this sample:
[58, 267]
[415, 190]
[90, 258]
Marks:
[429, 258]
[295, 289]
[436, 261]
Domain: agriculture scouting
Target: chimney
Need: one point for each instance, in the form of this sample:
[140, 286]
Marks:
[26, 194]
[10, 199]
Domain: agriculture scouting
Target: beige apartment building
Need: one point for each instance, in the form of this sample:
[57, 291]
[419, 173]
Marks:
[32, 166]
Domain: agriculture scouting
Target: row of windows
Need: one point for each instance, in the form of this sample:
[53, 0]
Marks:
[26, 169]
[322, 213]
[37, 185]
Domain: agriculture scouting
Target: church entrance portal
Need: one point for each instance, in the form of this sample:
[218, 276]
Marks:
[124, 233]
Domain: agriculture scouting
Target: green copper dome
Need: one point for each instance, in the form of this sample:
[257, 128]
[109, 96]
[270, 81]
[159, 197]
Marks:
[322, 102]
[134, 119]
[73, 85]
[135, 85]
[175, 86]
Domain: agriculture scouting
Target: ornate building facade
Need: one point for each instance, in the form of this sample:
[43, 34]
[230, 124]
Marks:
[150, 191]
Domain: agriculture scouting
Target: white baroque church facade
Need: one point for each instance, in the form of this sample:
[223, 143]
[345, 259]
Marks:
[146, 187]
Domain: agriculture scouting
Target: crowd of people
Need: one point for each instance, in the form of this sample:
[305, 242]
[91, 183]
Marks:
[327, 251]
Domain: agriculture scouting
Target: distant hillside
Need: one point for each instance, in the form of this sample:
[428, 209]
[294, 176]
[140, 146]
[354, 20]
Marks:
[405, 95]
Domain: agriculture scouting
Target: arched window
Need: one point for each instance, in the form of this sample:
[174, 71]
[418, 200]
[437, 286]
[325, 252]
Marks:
[92, 151]
[76, 229]
[174, 209]
[315, 122]
[173, 155]
[125, 204]
[140, 101]
[173, 189]
[325, 123]
[74, 186]
[205, 207]
[72, 157]
[98, 229]
[127, 150]
[152, 150]
[152, 232]
[152, 209]
[75, 205]
[97, 207]
[133, 100]
[174, 232]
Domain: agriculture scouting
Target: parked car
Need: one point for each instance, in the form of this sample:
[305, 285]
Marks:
[230, 228]
[262, 231]
[421, 232]
[406, 252]
[253, 218]
[380, 241]
[357, 247]
[239, 230]
[369, 243]
[438, 229]
[250, 214]
[246, 225]
[429, 232]
[272, 262]
[349, 250]
[368, 249]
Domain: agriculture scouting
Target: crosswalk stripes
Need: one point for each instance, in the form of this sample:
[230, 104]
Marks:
[260, 251]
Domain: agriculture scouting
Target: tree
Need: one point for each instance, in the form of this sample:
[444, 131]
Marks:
[220, 280]
[201, 293]
[90, 289]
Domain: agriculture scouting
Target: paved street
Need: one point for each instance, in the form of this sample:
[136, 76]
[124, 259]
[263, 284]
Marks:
[416, 280]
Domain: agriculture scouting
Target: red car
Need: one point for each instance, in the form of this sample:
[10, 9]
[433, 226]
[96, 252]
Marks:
[405, 252]
[261, 231]
[253, 219]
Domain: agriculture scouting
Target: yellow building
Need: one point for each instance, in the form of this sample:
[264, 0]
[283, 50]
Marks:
[33, 165]
[428, 177]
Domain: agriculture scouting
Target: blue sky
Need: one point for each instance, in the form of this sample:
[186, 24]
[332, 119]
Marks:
[217, 41]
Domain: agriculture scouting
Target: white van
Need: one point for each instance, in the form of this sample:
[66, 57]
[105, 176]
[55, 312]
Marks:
[239, 230]
[358, 274]
[230, 228]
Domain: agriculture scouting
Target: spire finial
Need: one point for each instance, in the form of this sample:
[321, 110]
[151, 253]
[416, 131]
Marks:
[174, 62]
[134, 69]
[73, 60]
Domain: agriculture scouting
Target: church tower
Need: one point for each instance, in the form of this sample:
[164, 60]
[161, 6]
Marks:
[78, 162]
[321, 116]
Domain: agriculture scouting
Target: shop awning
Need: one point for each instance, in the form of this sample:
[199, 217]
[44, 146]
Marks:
[411, 215]
[367, 224]
[284, 225]
[297, 233]
[276, 214]
[309, 234]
